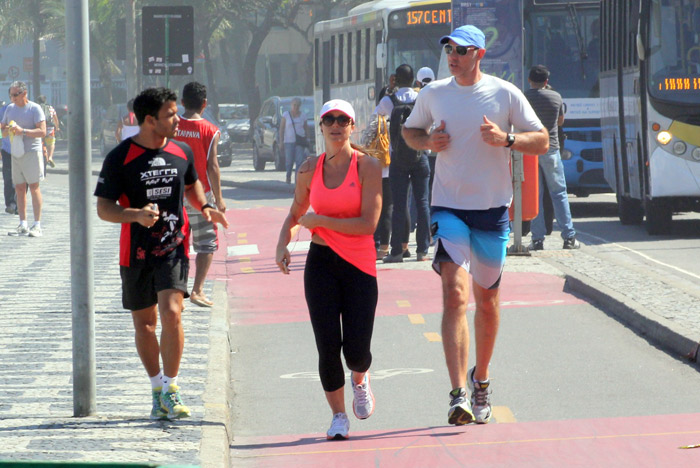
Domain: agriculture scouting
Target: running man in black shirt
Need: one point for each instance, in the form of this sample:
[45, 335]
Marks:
[141, 185]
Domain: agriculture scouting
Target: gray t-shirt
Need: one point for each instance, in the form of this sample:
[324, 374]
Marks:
[26, 117]
[471, 174]
[548, 107]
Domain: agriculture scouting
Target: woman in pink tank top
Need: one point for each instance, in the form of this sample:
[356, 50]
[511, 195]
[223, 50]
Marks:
[343, 186]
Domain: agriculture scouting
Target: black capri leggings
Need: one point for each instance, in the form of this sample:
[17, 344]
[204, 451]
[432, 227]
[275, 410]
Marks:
[339, 293]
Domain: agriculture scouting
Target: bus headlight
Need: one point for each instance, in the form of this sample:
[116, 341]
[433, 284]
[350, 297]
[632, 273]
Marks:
[566, 155]
[696, 154]
[663, 137]
[679, 147]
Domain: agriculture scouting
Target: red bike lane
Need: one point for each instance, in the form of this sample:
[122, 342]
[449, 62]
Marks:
[260, 295]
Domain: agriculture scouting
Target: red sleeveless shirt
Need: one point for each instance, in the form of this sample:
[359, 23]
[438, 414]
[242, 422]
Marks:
[344, 201]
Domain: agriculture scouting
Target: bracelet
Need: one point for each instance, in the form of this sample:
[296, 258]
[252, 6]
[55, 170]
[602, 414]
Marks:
[206, 205]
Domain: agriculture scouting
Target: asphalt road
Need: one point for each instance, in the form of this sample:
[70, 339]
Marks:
[558, 361]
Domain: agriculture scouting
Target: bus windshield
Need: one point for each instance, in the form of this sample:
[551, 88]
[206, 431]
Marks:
[567, 42]
[674, 51]
[416, 48]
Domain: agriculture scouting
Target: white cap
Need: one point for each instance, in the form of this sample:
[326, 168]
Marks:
[338, 105]
[424, 73]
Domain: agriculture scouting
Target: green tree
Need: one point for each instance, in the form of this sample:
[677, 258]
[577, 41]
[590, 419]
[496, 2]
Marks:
[37, 20]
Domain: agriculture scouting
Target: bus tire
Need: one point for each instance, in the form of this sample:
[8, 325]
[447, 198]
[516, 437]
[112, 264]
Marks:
[658, 217]
[630, 210]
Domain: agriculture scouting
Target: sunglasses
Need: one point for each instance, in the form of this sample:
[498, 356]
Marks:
[329, 120]
[461, 50]
[17, 94]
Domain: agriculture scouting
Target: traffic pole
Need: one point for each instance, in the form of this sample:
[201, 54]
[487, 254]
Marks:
[80, 199]
[518, 177]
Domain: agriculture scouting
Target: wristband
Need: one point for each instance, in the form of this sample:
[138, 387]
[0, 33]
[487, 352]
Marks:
[206, 205]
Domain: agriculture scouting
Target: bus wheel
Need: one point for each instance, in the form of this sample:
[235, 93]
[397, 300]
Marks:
[630, 210]
[659, 216]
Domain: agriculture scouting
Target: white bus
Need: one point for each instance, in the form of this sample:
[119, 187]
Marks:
[650, 101]
[354, 55]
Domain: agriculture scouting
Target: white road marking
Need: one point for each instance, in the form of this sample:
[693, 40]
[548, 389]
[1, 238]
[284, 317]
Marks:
[242, 249]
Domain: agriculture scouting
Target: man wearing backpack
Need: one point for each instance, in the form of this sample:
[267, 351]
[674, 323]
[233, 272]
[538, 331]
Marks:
[408, 166]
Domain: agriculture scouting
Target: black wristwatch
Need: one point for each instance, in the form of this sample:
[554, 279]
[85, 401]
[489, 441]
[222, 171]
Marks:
[510, 139]
[206, 205]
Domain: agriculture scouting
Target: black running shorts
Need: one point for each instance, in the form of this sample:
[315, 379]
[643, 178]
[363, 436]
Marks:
[140, 286]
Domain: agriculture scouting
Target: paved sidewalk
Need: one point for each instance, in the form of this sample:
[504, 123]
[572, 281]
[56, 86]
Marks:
[36, 389]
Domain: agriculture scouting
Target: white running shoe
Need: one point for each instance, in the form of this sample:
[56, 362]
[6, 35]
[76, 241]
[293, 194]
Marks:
[35, 231]
[20, 231]
[363, 403]
[481, 398]
[460, 412]
[340, 426]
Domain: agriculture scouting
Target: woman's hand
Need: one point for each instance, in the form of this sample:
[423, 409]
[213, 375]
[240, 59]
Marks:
[282, 259]
[310, 220]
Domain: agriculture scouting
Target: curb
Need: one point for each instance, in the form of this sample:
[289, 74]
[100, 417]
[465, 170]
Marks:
[216, 425]
[649, 325]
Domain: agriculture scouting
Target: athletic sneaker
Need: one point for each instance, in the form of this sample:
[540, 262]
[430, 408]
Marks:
[157, 413]
[340, 426]
[536, 245]
[481, 398]
[20, 231]
[171, 402]
[35, 231]
[363, 403]
[460, 412]
[571, 244]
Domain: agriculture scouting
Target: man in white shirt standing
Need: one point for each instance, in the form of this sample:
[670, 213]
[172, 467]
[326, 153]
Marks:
[24, 119]
[471, 115]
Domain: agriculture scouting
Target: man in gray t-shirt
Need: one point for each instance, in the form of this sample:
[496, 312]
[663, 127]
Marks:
[25, 119]
[548, 107]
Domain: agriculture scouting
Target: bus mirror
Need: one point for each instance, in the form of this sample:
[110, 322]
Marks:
[641, 52]
[381, 55]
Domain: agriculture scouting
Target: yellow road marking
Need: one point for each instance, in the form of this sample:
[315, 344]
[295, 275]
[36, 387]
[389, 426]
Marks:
[242, 234]
[416, 319]
[472, 444]
[432, 336]
[244, 260]
[242, 241]
[403, 303]
[247, 270]
[503, 414]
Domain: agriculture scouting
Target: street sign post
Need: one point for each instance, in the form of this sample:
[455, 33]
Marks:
[168, 41]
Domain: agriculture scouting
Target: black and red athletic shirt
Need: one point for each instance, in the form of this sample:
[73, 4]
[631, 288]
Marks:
[135, 176]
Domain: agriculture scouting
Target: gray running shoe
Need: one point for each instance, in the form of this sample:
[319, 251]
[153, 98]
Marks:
[363, 402]
[20, 231]
[35, 231]
[481, 398]
[340, 427]
[460, 412]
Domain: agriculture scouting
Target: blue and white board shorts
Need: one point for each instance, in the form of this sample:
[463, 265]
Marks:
[476, 240]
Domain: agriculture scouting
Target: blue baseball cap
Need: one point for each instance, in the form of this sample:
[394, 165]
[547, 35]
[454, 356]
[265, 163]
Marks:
[466, 35]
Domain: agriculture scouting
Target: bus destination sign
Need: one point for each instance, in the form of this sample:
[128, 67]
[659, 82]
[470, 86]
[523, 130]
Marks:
[421, 16]
[680, 84]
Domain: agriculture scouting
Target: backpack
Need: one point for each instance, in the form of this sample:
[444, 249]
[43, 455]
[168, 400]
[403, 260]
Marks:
[379, 145]
[401, 153]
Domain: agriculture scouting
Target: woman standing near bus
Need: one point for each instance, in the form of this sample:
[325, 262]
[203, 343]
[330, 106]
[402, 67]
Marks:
[344, 188]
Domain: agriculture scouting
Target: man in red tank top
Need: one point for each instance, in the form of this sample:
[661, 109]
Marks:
[203, 137]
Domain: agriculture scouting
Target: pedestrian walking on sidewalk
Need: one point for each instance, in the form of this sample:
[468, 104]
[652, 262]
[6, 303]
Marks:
[294, 133]
[8, 186]
[142, 185]
[344, 188]
[25, 123]
[471, 115]
[203, 137]
[549, 108]
[52, 126]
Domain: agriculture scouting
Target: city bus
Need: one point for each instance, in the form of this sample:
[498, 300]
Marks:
[354, 55]
[650, 96]
[564, 36]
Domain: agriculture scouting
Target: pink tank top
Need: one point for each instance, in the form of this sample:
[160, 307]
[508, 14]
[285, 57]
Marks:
[345, 201]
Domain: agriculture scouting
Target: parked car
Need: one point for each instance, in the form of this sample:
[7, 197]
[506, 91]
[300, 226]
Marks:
[267, 141]
[234, 118]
